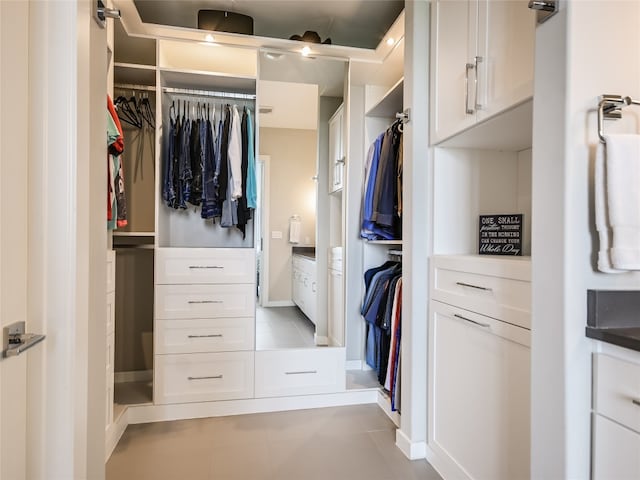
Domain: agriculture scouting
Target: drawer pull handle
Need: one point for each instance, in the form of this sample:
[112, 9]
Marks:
[212, 377]
[483, 325]
[635, 401]
[194, 267]
[204, 301]
[462, 284]
[302, 372]
[215, 335]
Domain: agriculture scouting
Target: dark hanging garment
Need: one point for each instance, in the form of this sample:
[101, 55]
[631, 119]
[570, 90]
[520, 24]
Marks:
[196, 164]
[168, 189]
[185, 163]
[208, 170]
[244, 214]
[224, 155]
[177, 165]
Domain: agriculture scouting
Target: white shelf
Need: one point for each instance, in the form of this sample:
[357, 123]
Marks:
[390, 104]
[384, 242]
[201, 80]
[131, 73]
[134, 234]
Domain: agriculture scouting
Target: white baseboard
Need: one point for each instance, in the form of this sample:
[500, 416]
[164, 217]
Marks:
[385, 404]
[114, 433]
[133, 376]
[411, 450]
[445, 467]
[161, 413]
[279, 303]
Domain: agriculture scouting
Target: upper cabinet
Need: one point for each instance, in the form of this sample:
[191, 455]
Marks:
[482, 61]
[336, 151]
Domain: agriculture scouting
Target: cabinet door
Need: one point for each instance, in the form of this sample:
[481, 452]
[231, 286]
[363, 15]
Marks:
[506, 44]
[479, 413]
[616, 451]
[336, 307]
[336, 151]
[454, 39]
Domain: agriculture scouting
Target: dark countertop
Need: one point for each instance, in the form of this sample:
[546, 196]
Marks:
[623, 337]
[613, 316]
[307, 252]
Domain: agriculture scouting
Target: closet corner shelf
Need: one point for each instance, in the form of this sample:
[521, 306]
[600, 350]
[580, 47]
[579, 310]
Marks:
[390, 104]
[134, 234]
[384, 242]
[132, 73]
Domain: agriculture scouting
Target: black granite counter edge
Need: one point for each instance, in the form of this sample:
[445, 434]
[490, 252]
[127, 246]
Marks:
[308, 252]
[623, 337]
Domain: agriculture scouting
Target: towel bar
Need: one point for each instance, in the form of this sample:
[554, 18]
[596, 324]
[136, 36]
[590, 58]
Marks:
[610, 108]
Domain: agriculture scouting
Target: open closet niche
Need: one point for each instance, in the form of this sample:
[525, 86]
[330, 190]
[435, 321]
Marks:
[300, 137]
[134, 96]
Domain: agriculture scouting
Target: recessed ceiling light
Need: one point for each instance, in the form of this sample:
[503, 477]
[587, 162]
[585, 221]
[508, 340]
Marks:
[306, 51]
[208, 38]
[390, 41]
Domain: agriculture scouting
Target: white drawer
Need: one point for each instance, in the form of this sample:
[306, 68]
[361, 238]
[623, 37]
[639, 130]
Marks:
[201, 377]
[494, 287]
[204, 301]
[616, 453]
[617, 390]
[300, 372]
[205, 265]
[111, 270]
[111, 312]
[304, 264]
[208, 335]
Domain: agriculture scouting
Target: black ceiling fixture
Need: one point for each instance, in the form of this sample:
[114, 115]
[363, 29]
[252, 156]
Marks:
[223, 21]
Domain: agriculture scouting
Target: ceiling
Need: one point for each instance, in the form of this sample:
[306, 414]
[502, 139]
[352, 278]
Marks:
[353, 23]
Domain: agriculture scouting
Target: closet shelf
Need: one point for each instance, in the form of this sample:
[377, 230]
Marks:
[134, 234]
[384, 242]
[390, 104]
[134, 74]
[201, 80]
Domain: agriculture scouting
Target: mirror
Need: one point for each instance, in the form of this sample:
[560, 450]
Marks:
[297, 97]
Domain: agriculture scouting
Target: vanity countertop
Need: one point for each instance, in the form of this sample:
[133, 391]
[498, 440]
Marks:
[305, 252]
[613, 317]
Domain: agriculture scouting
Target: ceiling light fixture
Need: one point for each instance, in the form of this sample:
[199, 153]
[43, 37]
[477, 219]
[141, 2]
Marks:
[390, 41]
[273, 55]
[306, 51]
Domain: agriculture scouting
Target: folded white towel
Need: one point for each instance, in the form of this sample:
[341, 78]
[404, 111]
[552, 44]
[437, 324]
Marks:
[623, 199]
[294, 229]
[602, 214]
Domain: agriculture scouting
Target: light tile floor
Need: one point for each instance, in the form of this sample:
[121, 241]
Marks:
[341, 443]
[283, 327]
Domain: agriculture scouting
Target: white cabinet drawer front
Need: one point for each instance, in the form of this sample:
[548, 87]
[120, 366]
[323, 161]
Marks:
[204, 335]
[201, 377]
[111, 270]
[502, 298]
[111, 312]
[617, 390]
[299, 372]
[205, 265]
[204, 301]
[616, 453]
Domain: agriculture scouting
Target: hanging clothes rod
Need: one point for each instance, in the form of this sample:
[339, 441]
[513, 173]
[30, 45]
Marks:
[207, 93]
[610, 108]
[128, 86]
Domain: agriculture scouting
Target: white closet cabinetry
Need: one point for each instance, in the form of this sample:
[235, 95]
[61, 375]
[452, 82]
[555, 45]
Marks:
[337, 156]
[304, 276]
[205, 329]
[616, 418]
[483, 61]
[479, 368]
[335, 298]
[111, 330]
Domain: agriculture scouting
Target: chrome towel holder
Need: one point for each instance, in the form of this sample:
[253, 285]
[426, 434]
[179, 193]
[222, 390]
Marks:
[610, 108]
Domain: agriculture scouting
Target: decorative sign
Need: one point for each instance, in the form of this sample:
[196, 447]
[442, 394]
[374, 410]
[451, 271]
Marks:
[500, 234]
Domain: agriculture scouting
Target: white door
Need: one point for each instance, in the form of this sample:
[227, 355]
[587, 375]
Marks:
[14, 36]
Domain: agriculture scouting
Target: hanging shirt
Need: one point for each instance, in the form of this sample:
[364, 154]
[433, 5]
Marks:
[223, 174]
[251, 190]
[244, 214]
[235, 155]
